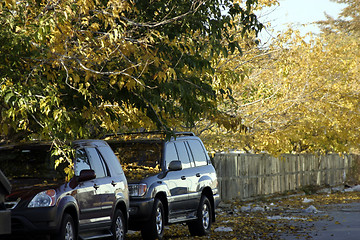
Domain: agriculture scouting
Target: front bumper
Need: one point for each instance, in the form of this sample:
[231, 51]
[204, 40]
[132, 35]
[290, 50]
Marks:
[5, 222]
[140, 212]
[38, 220]
[217, 200]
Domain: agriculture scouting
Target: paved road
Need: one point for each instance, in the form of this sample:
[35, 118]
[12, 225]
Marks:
[343, 222]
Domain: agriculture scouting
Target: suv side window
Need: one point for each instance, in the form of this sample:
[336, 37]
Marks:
[170, 153]
[198, 152]
[111, 162]
[82, 161]
[96, 163]
[183, 154]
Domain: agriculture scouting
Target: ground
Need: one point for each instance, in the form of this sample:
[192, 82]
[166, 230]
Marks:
[277, 217]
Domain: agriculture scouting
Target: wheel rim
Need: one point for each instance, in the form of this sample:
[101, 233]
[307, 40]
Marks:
[205, 216]
[119, 231]
[69, 231]
[159, 221]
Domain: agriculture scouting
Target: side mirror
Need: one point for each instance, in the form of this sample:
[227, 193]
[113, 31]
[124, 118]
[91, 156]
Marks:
[175, 165]
[86, 174]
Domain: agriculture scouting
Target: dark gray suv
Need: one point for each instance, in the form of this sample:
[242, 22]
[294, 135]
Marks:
[93, 203]
[170, 181]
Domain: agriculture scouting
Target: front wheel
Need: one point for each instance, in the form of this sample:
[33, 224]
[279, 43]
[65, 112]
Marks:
[202, 225]
[154, 229]
[67, 229]
[118, 226]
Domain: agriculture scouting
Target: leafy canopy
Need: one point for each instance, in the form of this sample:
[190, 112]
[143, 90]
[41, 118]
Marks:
[300, 94]
[74, 69]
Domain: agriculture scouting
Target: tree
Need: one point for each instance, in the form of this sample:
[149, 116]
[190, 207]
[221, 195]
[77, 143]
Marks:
[348, 21]
[75, 69]
[299, 96]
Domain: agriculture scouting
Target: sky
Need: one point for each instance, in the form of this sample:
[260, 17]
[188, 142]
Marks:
[298, 12]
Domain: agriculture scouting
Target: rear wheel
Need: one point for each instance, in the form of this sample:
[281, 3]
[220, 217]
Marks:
[154, 229]
[202, 225]
[118, 226]
[67, 229]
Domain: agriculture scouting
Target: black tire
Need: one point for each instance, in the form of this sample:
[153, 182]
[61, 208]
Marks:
[118, 226]
[67, 229]
[202, 225]
[154, 229]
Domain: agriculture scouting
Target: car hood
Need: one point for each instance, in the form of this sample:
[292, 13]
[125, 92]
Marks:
[27, 188]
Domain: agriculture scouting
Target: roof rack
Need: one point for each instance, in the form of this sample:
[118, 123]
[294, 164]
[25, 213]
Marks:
[152, 134]
[184, 134]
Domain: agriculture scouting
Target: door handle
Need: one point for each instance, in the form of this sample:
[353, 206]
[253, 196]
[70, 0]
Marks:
[183, 177]
[198, 174]
[96, 186]
[113, 183]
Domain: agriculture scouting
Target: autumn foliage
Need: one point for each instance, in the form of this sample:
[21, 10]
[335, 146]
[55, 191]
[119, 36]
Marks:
[300, 94]
[80, 69]
[77, 69]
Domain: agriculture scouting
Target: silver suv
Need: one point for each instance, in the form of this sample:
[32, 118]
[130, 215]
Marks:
[170, 181]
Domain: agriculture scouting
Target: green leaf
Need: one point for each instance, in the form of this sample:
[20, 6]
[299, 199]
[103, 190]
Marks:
[8, 97]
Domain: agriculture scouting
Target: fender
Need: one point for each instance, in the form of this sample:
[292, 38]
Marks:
[121, 197]
[204, 181]
[157, 187]
[65, 203]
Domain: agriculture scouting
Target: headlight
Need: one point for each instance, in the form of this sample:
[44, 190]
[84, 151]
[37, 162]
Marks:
[43, 199]
[137, 190]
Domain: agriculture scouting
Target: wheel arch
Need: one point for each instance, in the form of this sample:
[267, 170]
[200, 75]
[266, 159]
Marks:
[71, 210]
[163, 199]
[121, 205]
[209, 194]
[68, 205]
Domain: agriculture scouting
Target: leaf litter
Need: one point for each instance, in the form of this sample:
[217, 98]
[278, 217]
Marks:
[266, 218]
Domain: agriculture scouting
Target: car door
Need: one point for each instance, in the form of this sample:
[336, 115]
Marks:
[86, 193]
[177, 183]
[198, 157]
[187, 173]
[105, 190]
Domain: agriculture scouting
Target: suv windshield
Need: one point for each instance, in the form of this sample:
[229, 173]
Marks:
[29, 162]
[138, 159]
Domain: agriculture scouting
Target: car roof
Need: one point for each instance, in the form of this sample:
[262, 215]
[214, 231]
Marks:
[25, 145]
[89, 143]
[152, 136]
[48, 144]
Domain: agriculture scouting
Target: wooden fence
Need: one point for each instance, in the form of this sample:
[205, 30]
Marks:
[246, 176]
